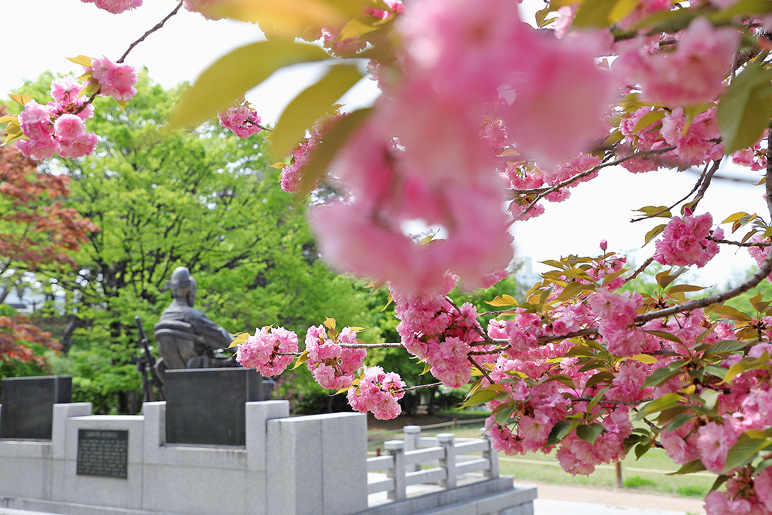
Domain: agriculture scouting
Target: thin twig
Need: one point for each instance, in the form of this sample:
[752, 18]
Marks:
[587, 398]
[764, 270]
[371, 345]
[640, 269]
[420, 386]
[700, 180]
[146, 34]
[475, 324]
[590, 331]
[481, 369]
[705, 182]
[541, 194]
[739, 243]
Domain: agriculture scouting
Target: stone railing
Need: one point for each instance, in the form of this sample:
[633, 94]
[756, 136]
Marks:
[436, 460]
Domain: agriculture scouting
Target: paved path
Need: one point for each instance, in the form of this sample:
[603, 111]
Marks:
[561, 500]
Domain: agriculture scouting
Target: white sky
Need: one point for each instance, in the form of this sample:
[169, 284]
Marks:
[39, 34]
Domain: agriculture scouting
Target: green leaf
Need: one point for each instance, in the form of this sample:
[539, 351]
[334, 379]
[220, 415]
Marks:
[743, 451]
[666, 401]
[309, 106]
[601, 13]
[742, 8]
[720, 480]
[654, 233]
[287, 18]
[596, 398]
[730, 312]
[679, 421]
[743, 112]
[664, 334]
[648, 119]
[502, 416]
[709, 397]
[481, 396]
[301, 359]
[735, 217]
[726, 346]
[600, 377]
[642, 449]
[667, 20]
[684, 288]
[560, 430]
[590, 432]
[503, 300]
[237, 72]
[689, 468]
[744, 365]
[82, 60]
[574, 288]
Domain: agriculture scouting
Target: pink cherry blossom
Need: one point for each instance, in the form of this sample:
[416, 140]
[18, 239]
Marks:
[72, 137]
[377, 392]
[684, 241]
[333, 366]
[115, 80]
[268, 350]
[242, 120]
[115, 6]
[692, 73]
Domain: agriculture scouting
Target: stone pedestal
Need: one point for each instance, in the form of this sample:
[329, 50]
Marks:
[26, 405]
[206, 406]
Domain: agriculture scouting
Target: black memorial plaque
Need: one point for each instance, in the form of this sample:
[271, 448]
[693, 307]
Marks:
[206, 405]
[27, 405]
[103, 452]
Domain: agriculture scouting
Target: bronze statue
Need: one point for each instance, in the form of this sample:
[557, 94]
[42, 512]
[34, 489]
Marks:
[185, 335]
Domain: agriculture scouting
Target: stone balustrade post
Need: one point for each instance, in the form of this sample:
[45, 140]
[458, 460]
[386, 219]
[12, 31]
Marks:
[493, 458]
[396, 448]
[447, 442]
[412, 434]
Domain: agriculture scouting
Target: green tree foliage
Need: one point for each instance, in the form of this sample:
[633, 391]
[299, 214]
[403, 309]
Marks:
[199, 199]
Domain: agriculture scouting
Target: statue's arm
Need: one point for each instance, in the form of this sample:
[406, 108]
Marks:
[214, 335]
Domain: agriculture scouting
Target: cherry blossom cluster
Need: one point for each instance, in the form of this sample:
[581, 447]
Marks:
[241, 119]
[58, 127]
[116, 80]
[685, 241]
[120, 6]
[333, 366]
[115, 6]
[291, 174]
[377, 392]
[270, 350]
[433, 329]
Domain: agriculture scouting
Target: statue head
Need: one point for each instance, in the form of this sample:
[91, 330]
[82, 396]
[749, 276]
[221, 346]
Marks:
[183, 286]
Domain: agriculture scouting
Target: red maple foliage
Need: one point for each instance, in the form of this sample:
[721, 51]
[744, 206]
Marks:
[35, 229]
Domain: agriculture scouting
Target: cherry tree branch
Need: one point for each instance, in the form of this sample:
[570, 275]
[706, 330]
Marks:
[541, 194]
[706, 174]
[764, 270]
[420, 386]
[640, 268]
[587, 398]
[156, 27]
[739, 243]
[481, 369]
[705, 179]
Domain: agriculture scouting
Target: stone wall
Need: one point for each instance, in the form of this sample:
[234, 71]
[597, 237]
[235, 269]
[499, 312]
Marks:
[313, 465]
[281, 457]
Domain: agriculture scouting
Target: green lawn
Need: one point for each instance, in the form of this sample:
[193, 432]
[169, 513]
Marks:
[646, 474]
